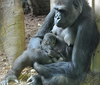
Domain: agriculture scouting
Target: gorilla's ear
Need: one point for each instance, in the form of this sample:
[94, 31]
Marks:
[78, 5]
[75, 3]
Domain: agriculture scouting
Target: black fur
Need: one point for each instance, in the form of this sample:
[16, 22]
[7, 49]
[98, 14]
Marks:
[76, 19]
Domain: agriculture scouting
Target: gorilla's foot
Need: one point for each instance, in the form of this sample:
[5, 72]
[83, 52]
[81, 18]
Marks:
[34, 80]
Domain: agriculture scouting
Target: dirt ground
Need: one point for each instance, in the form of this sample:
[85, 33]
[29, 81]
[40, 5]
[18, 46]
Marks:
[32, 24]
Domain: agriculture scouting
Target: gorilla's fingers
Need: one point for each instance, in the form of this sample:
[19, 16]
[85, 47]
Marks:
[34, 80]
[16, 81]
[41, 69]
[29, 79]
[9, 78]
[30, 83]
[4, 82]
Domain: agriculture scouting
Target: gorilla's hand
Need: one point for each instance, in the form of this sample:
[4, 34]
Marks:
[8, 78]
[50, 70]
[42, 70]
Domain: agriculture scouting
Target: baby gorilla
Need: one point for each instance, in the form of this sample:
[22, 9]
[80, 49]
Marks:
[43, 53]
[52, 49]
[56, 47]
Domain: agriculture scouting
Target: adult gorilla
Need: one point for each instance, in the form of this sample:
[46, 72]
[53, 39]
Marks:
[77, 22]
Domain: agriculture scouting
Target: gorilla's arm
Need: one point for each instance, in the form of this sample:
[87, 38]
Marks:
[86, 42]
[47, 25]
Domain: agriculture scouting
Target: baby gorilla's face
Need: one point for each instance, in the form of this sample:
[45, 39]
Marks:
[48, 41]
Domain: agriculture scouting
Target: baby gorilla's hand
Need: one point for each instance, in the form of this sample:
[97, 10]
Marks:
[52, 53]
[55, 56]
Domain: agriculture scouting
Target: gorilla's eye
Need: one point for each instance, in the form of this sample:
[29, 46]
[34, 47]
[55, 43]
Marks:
[60, 10]
[56, 8]
[63, 11]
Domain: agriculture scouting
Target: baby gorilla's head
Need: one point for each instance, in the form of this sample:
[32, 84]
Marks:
[48, 41]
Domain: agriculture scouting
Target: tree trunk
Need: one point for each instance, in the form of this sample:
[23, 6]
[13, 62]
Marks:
[12, 31]
[51, 4]
[96, 61]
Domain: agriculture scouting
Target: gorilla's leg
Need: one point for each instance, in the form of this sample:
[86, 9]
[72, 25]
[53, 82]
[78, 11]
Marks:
[27, 59]
[20, 63]
[56, 80]
[58, 72]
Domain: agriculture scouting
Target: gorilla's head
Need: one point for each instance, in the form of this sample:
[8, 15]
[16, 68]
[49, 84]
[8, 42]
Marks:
[66, 12]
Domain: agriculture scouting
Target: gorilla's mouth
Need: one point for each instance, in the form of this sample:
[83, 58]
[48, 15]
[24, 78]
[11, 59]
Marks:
[62, 25]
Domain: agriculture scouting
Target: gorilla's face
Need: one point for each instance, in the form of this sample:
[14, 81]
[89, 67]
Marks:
[66, 12]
